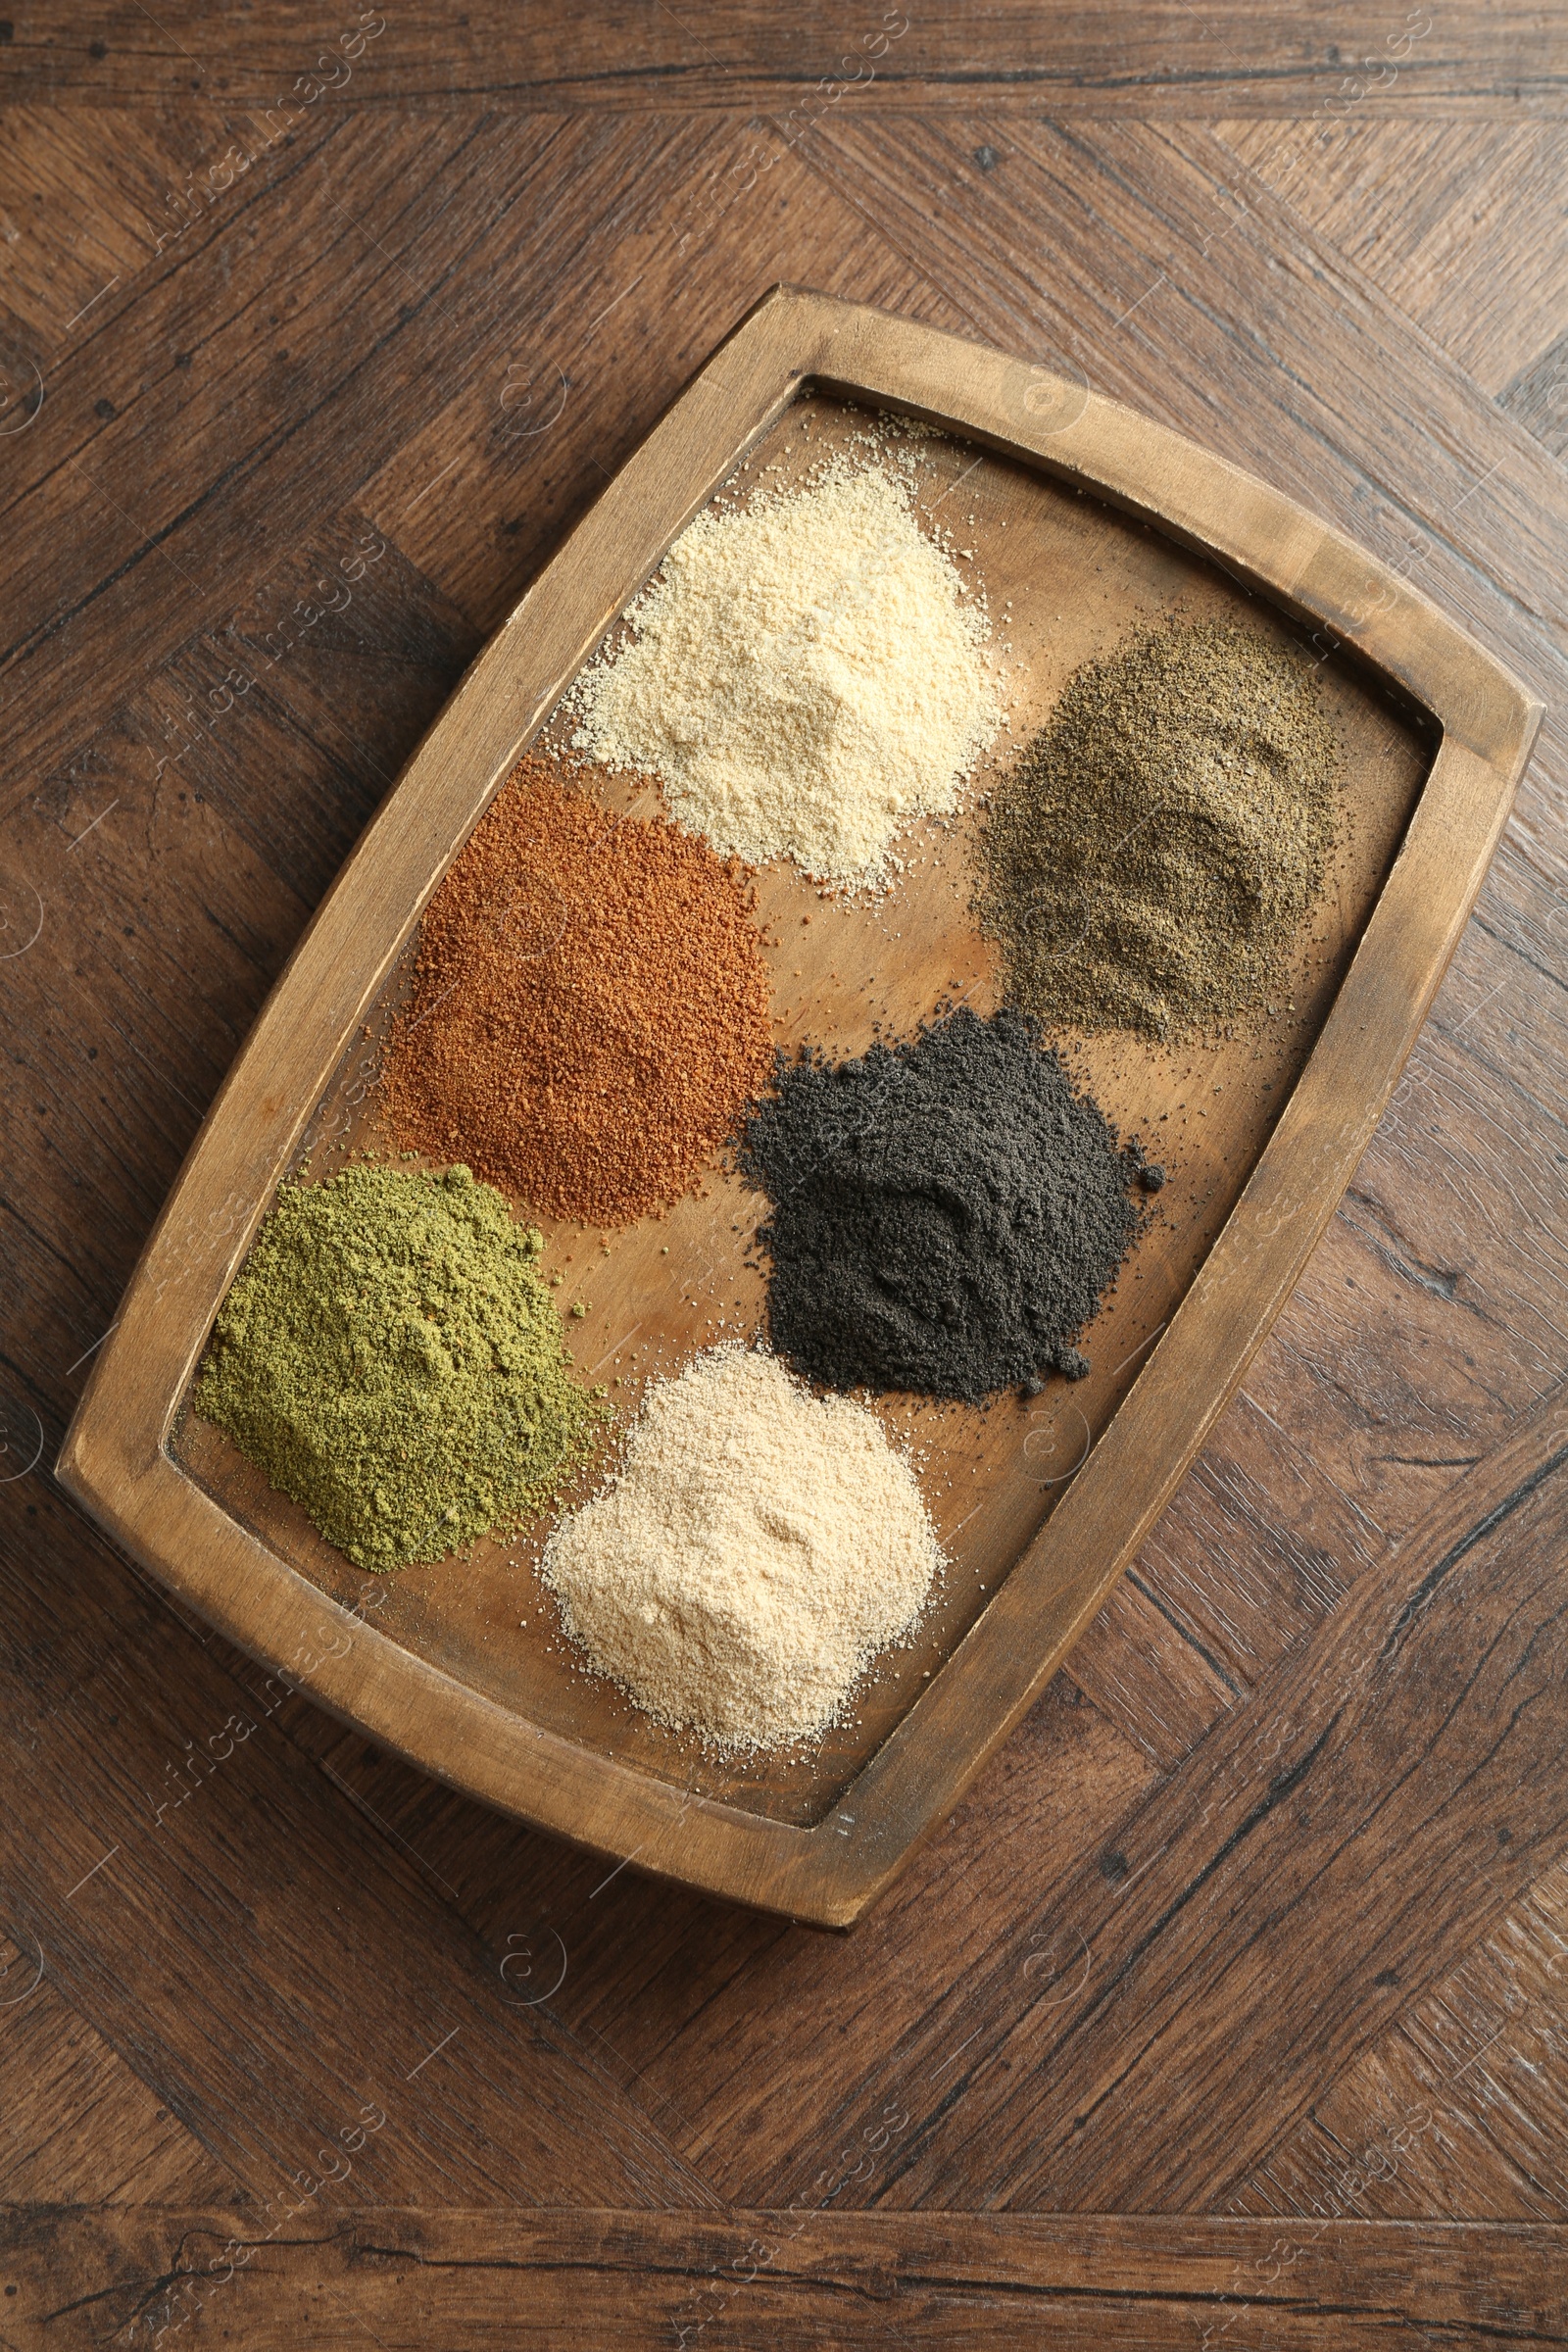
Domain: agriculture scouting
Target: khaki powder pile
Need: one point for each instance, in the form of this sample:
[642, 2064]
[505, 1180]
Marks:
[805, 677]
[756, 1551]
[1150, 861]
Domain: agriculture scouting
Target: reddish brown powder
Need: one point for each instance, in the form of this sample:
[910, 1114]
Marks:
[590, 1006]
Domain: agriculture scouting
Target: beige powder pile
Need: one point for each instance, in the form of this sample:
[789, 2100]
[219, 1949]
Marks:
[807, 676]
[756, 1548]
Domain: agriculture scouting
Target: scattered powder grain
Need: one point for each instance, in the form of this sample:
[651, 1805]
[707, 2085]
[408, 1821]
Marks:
[590, 1005]
[945, 1213]
[756, 1551]
[807, 676]
[390, 1359]
[1149, 862]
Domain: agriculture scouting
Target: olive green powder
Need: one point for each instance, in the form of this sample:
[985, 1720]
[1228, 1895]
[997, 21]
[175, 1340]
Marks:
[1149, 860]
[391, 1360]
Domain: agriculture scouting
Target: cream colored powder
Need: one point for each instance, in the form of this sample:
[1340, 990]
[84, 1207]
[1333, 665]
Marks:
[756, 1548]
[807, 676]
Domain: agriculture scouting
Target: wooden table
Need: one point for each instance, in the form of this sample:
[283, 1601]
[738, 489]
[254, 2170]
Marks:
[1160, 2042]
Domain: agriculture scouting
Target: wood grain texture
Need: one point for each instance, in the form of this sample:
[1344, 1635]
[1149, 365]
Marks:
[1538, 396]
[77, 2125]
[295, 365]
[1175, 59]
[1479, 259]
[628, 2281]
[1458, 2106]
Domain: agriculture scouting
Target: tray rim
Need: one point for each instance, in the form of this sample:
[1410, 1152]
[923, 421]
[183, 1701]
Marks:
[115, 1460]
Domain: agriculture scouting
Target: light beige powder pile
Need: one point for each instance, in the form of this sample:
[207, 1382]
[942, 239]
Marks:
[756, 1548]
[805, 677]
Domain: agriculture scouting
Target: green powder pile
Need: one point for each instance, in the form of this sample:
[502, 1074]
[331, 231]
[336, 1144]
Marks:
[391, 1360]
[1149, 860]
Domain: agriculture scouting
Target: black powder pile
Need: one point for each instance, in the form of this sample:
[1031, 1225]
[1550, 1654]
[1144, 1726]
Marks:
[946, 1211]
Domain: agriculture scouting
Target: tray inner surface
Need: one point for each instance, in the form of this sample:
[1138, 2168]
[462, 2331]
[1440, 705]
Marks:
[1079, 577]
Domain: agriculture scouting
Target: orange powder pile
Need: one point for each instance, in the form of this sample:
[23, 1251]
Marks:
[590, 1005]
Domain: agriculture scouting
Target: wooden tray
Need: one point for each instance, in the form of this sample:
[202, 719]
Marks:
[1090, 519]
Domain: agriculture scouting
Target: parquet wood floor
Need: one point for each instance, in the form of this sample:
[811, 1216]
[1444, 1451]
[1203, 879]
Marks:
[1168, 2041]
